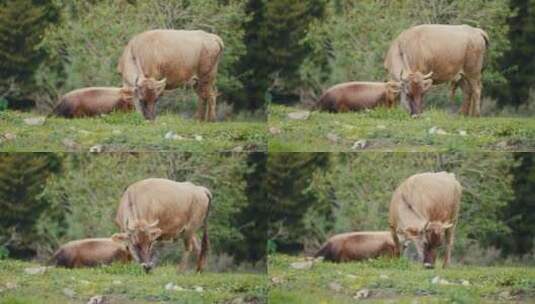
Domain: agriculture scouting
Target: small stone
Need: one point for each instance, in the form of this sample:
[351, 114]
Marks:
[96, 300]
[437, 130]
[465, 283]
[35, 270]
[300, 115]
[169, 286]
[96, 149]
[362, 294]
[169, 135]
[10, 136]
[34, 121]
[69, 143]
[435, 280]
[198, 137]
[359, 144]
[69, 292]
[275, 130]
[117, 282]
[463, 133]
[333, 137]
[198, 289]
[302, 265]
[334, 286]
[277, 280]
[237, 149]
[11, 285]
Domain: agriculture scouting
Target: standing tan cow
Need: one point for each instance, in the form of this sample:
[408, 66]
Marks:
[166, 59]
[424, 210]
[432, 54]
[94, 101]
[158, 209]
[354, 96]
[355, 246]
[91, 252]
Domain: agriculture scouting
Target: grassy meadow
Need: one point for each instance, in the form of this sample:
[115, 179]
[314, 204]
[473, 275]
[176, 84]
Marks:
[126, 284]
[129, 132]
[393, 130]
[396, 281]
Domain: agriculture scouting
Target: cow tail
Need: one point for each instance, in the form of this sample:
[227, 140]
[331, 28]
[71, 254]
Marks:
[205, 244]
[485, 37]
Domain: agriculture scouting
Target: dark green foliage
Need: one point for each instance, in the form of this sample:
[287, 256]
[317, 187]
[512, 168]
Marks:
[22, 181]
[22, 26]
[519, 62]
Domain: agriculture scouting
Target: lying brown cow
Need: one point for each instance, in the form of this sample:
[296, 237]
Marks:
[355, 246]
[354, 96]
[91, 252]
[94, 101]
[166, 59]
[158, 209]
[424, 210]
[432, 54]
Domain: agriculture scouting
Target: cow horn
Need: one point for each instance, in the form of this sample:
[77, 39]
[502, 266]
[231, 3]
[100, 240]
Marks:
[428, 75]
[154, 224]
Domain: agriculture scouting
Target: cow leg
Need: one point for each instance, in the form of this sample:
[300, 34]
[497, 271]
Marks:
[453, 88]
[449, 244]
[397, 252]
[188, 246]
[196, 247]
[201, 105]
[475, 101]
[467, 96]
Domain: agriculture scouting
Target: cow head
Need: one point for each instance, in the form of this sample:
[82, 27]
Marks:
[126, 98]
[392, 91]
[140, 239]
[426, 239]
[413, 87]
[147, 91]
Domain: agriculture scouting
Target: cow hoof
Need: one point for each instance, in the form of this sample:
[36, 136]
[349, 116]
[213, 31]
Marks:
[428, 266]
[415, 116]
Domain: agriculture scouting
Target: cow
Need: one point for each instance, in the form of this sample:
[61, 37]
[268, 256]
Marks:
[159, 60]
[160, 209]
[94, 101]
[431, 54]
[354, 96]
[355, 246]
[424, 210]
[91, 253]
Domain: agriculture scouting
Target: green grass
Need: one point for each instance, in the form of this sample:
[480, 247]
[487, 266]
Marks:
[127, 284]
[396, 281]
[394, 130]
[129, 132]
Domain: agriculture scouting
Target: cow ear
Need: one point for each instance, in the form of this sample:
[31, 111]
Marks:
[155, 233]
[119, 237]
[427, 83]
[412, 232]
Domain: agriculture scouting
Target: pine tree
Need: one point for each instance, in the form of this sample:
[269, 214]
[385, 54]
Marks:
[22, 25]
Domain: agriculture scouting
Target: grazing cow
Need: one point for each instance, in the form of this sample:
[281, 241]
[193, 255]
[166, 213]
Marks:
[158, 209]
[424, 210]
[432, 54]
[91, 253]
[94, 101]
[355, 246]
[354, 96]
[166, 59]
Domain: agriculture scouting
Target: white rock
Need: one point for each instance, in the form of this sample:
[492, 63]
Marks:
[465, 283]
[437, 130]
[69, 292]
[34, 121]
[169, 286]
[300, 115]
[10, 136]
[362, 294]
[169, 135]
[198, 289]
[462, 133]
[333, 137]
[117, 282]
[96, 300]
[198, 137]
[275, 130]
[96, 148]
[359, 144]
[237, 149]
[302, 265]
[35, 270]
[435, 280]
[335, 286]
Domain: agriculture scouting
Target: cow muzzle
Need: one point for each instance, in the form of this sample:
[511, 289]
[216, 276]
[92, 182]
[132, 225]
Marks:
[147, 267]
